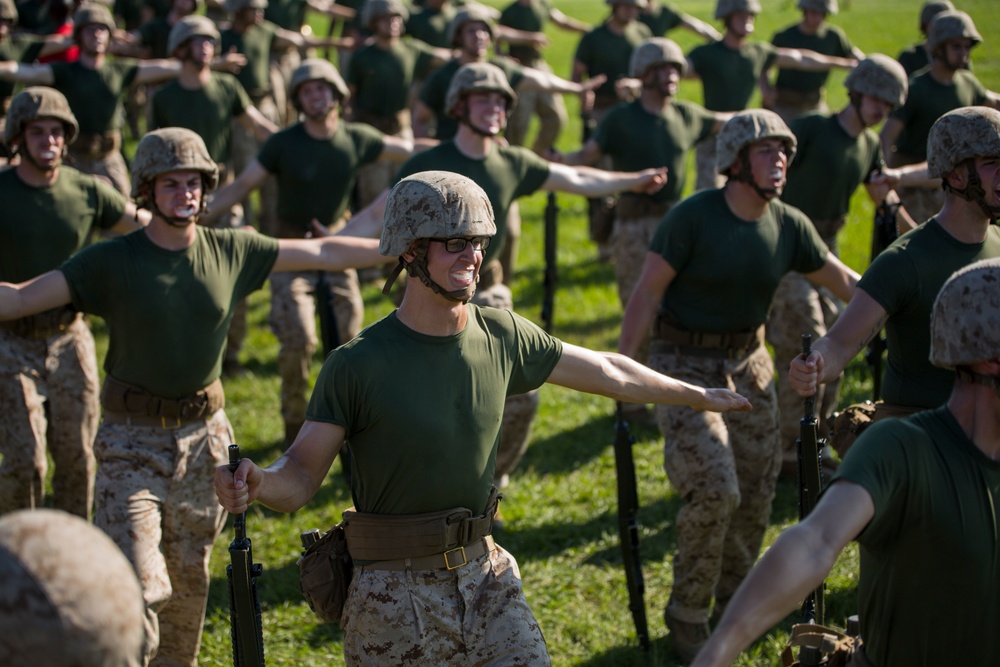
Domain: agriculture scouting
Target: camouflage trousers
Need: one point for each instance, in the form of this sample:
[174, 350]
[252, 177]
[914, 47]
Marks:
[921, 203]
[519, 410]
[708, 175]
[724, 467]
[293, 320]
[551, 112]
[473, 615]
[380, 175]
[790, 104]
[109, 166]
[155, 499]
[48, 397]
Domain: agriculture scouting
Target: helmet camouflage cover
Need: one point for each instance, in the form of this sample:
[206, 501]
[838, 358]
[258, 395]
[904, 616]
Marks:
[748, 127]
[656, 51]
[233, 6]
[375, 9]
[726, 7]
[68, 595]
[825, 6]
[881, 77]
[477, 77]
[932, 9]
[90, 13]
[965, 320]
[188, 28]
[171, 149]
[317, 69]
[951, 25]
[37, 102]
[960, 134]
[468, 14]
[435, 205]
[8, 12]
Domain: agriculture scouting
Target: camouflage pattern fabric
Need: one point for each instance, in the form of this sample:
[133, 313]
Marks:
[551, 111]
[725, 467]
[473, 615]
[293, 321]
[110, 166]
[49, 393]
[375, 177]
[965, 322]
[155, 499]
[707, 176]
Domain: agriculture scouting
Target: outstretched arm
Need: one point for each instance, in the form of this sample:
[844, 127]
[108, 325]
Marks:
[700, 28]
[836, 277]
[332, 253]
[290, 482]
[47, 291]
[804, 59]
[251, 178]
[618, 377]
[591, 182]
[795, 565]
[27, 74]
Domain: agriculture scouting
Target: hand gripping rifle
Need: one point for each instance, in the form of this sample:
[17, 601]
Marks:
[551, 266]
[810, 484]
[628, 526]
[244, 605]
[329, 334]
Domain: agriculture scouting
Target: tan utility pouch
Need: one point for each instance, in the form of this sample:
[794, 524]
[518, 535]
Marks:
[851, 422]
[829, 647]
[325, 571]
[375, 537]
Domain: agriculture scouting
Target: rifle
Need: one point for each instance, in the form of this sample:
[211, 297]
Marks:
[810, 484]
[551, 266]
[329, 335]
[244, 605]
[884, 232]
[628, 526]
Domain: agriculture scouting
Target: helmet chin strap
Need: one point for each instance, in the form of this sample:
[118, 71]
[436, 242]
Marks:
[746, 175]
[966, 375]
[483, 133]
[418, 267]
[973, 191]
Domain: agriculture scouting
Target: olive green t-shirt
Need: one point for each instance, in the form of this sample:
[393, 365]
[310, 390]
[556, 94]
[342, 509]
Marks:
[728, 268]
[729, 76]
[829, 165]
[316, 176]
[20, 49]
[287, 14]
[532, 17]
[914, 59]
[255, 44]
[927, 101]
[603, 52]
[155, 35]
[508, 172]
[636, 139]
[208, 110]
[429, 443]
[662, 19]
[905, 279]
[42, 226]
[430, 26]
[95, 95]
[930, 557]
[434, 92]
[168, 311]
[829, 40]
[382, 77]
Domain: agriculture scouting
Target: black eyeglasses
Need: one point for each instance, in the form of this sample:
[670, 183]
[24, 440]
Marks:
[457, 245]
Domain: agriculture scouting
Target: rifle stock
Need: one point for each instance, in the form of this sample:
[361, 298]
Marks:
[551, 265]
[810, 485]
[244, 605]
[628, 526]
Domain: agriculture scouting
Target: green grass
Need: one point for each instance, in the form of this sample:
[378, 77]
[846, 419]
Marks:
[560, 507]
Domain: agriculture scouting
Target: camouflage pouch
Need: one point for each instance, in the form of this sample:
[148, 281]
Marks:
[848, 424]
[819, 645]
[325, 571]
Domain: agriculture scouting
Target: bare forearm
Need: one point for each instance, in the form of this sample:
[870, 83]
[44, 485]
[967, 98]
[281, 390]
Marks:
[285, 486]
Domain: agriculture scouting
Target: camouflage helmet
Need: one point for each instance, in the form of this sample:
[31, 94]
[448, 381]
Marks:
[960, 134]
[434, 205]
[90, 13]
[68, 595]
[37, 102]
[317, 69]
[748, 127]
[965, 320]
[233, 6]
[188, 28]
[8, 12]
[468, 14]
[655, 51]
[881, 77]
[932, 9]
[376, 9]
[825, 6]
[951, 25]
[641, 4]
[171, 149]
[726, 7]
[477, 77]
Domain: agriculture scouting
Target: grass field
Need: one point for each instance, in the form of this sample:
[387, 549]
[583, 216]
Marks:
[560, 507]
